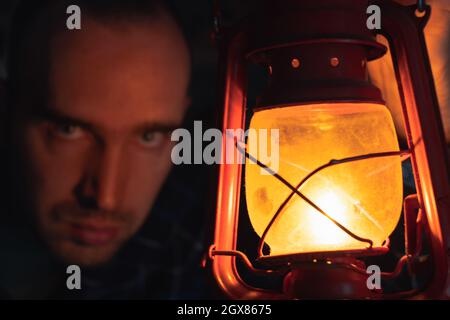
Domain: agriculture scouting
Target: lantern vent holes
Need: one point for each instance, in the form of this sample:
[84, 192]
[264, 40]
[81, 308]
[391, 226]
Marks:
[295, 63]
[334, 62]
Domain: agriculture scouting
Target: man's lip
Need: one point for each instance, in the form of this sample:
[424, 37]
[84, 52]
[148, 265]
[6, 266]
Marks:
[92, 234]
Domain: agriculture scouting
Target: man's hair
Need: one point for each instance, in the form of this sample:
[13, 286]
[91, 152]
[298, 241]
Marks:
[35, 22]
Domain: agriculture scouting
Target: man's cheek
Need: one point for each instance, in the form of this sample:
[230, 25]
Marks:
[53, 176]
[51, 159]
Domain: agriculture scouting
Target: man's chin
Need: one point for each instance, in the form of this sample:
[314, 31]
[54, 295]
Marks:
[69, 252]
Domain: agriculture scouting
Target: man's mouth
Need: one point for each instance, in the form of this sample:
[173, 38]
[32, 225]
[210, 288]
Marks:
[92, 234]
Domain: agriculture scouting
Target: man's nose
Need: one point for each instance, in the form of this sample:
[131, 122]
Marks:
[103, 181]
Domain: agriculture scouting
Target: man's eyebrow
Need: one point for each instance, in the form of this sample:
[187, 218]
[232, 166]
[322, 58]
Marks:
[59, 117]
[158, 127]
[47, 113]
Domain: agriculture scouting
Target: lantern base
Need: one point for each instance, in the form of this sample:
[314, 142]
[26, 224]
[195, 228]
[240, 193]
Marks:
[328, 281]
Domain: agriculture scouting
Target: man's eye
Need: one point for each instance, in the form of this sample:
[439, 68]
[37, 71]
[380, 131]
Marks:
[69, 131]
[151, 138]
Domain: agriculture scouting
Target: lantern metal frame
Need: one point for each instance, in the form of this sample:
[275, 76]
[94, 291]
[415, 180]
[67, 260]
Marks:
[426, 212]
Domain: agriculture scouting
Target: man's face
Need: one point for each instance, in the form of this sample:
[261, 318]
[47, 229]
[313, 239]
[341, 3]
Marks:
[99, 151]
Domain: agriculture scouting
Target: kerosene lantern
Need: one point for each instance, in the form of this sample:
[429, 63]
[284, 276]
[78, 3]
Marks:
[336, 195]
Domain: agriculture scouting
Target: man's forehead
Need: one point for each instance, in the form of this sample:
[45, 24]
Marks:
[156, 41]
[107, 74]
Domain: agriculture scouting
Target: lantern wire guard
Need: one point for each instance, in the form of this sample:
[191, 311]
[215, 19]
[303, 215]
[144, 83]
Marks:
[282, 269]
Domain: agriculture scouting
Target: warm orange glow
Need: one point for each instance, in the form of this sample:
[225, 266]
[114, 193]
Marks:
[364, 196]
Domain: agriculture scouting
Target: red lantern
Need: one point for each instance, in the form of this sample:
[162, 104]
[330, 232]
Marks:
[337, 196]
